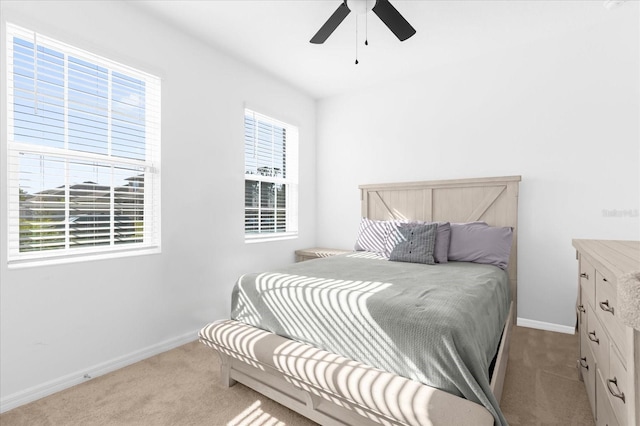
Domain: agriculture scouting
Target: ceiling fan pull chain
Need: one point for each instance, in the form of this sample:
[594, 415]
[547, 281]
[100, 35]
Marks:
[366, 28]
[356, 39]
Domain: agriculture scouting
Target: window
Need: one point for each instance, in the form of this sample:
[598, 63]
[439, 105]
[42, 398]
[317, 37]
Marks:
[83, 151]
[271, 178]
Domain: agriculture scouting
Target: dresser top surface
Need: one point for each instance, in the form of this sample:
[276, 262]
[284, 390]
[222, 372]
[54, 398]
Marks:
[618, 256]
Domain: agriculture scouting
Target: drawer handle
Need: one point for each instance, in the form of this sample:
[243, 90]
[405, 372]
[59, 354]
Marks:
[584, 275]
[605, 280]
[581, 308]
[583, 362]
[594, 338]
[605, 307]
[617, 394]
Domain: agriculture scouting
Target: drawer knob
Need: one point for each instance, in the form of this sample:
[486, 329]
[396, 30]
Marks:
[584, 275]
[583, 362]
[581, 308]
[605, 307]
[592, 336]
[617, 394]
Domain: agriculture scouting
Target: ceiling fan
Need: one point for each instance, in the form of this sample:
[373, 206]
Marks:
[388, 14]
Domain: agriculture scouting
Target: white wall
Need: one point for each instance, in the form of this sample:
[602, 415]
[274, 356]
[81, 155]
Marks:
[60, 322]
[562, 112]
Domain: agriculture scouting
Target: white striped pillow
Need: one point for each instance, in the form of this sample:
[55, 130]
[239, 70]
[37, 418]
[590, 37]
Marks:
[373, 235]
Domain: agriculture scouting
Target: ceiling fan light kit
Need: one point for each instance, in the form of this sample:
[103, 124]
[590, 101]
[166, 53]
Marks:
[388, 14]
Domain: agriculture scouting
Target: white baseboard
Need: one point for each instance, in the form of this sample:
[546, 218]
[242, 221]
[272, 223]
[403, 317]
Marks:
[40, 391]
[523, 322]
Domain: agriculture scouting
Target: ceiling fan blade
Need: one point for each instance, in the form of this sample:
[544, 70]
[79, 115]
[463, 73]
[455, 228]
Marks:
[392, 19]
[332, 23]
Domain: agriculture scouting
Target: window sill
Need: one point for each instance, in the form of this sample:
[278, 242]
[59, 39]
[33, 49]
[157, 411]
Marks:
[65, 259]
[262, 238]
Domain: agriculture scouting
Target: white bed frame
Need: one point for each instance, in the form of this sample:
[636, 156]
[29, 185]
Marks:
[332, 390]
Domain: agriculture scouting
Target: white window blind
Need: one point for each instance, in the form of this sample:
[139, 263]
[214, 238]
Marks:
[83, 152]
[271, 177]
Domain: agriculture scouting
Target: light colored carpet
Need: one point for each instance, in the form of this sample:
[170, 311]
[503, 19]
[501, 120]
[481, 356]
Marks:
[181, 387]
[542, 385]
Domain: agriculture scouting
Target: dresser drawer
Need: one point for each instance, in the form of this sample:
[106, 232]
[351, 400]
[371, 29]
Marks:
[588, 370]
[588, 280]
[618, 387]
[604, 411]
[606, 308]
[598, 341]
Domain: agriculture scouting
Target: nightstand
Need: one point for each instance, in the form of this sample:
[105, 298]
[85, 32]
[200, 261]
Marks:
[317, 252]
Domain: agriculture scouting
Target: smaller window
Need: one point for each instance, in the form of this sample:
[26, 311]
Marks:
[271, 178]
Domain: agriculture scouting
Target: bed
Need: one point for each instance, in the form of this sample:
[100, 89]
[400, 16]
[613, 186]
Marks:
[314, 357]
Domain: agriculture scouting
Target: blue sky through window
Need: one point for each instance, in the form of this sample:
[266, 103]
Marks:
[103, 107]
[265, 148]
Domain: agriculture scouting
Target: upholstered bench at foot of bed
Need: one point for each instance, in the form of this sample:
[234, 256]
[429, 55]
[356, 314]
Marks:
[328, 388]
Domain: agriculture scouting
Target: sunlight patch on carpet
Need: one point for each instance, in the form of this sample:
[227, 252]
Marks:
[255, 416]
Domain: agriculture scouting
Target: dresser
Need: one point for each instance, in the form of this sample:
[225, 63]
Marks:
[609, 360]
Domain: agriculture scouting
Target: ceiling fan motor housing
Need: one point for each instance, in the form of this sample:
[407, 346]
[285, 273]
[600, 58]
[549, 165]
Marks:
[361, 6]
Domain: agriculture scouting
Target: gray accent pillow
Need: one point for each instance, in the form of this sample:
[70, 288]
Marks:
[443, 236]
[394, 236]
[372, 236]
[417, 245]
[480, 243]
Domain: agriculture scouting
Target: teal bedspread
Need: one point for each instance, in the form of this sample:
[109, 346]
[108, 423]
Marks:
[437, 324]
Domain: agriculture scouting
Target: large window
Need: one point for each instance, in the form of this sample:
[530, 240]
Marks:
[271, 178]
[83, 150]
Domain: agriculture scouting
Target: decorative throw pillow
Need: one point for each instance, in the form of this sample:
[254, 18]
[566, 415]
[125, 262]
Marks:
[417, 245]
[443, 235]
[372, 236]
[480, 243]
[394, 237]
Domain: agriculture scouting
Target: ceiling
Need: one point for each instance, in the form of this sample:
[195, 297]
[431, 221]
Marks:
[273, 35]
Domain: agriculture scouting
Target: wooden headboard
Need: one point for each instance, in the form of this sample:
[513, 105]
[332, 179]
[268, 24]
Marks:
[493, 200]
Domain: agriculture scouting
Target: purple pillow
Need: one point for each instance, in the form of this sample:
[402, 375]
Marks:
[443, 239]
[480, 243]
